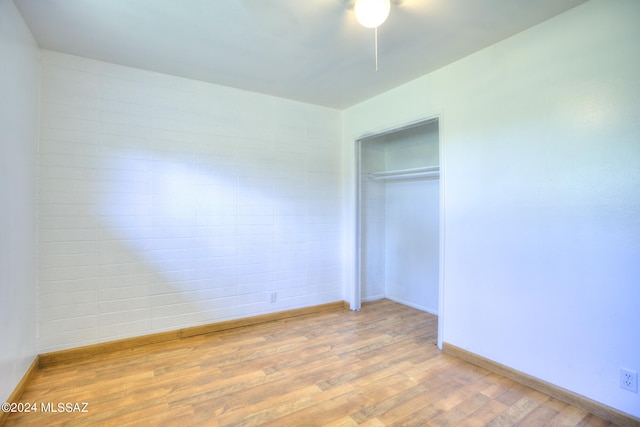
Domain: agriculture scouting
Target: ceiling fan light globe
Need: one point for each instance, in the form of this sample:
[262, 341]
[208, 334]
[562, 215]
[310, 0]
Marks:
[372, 13]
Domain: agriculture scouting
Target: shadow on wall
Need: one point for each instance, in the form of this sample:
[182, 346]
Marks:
[193, 240]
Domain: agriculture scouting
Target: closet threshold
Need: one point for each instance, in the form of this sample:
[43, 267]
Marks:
[430, 172]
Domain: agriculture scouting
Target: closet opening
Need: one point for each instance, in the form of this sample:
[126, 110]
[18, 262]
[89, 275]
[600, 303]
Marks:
[398, 217]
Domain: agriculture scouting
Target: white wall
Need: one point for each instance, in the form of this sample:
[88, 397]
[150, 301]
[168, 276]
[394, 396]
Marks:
[412, 220]
[372, 221]
[541, 164]
[412, 243]
[167, 203]
[18, 147]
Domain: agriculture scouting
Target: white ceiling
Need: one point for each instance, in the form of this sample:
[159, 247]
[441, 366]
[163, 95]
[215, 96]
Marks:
[307, 50]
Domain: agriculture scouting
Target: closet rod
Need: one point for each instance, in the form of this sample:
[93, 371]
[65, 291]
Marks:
[430, 172]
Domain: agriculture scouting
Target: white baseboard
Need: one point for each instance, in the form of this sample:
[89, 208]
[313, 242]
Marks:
[373, 298]
[410, 304]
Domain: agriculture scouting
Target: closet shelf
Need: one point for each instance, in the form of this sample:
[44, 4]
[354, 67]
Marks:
[431, 172]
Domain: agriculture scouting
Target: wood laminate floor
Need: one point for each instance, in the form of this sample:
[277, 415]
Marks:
[377, 367]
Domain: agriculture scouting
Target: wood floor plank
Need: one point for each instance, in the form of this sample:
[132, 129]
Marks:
[517, 411]
[569, 417]
[593, 421]
[341, 422]
[377, 367]
[485, 414]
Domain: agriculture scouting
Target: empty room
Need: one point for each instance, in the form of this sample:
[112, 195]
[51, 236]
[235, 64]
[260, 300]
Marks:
[323, 212]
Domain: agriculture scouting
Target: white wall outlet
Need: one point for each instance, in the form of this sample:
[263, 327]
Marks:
[629, 380]
[273, 297]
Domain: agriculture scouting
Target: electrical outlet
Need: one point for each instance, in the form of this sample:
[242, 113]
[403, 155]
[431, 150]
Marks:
[273, 297]
[629, 380]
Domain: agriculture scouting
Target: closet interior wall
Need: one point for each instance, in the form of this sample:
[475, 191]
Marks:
[399, 216]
